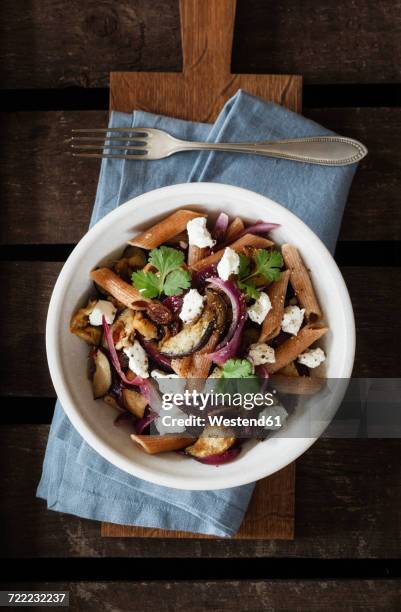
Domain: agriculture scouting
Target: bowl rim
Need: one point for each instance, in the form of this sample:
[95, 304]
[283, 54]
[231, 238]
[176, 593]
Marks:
[299, 446]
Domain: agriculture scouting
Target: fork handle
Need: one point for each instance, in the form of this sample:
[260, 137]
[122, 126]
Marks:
[324, 150]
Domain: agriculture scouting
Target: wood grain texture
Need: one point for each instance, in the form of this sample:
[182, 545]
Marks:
[47, 195]
[53, 43]
[53, 193]
[375, 192]
[348, 496]
[78, 44]
[270, 515]
[373, 291]
[249, 595]
[326, 42]
[206, 83]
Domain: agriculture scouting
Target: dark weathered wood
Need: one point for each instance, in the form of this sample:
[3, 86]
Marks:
[58, 44]
[326, 42]
[47, 197]
[270, 514]
[348, 497]
[249, 595]
[48, 43]
[375, 292]
[206, 82]
[28, 286]
[373, 210]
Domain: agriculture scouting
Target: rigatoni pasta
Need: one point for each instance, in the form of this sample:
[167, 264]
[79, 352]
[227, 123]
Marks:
[294, 346]
[235, 227]
[249, 240]
[196, 254]
[300, 280]
[123, 292]
[272, 324]
[164, 230]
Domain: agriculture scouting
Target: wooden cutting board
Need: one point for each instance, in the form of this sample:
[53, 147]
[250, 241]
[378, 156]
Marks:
[198, 93]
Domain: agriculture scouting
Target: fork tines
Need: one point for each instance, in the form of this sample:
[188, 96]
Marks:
[135, 140]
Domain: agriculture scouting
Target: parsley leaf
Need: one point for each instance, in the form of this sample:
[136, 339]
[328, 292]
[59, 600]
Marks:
[249, 289]
[244, 265]
[166, 259]
[265, 263]
[237, 368]
[171, 278]
[177, 281]
[268, 264]
[147, 283]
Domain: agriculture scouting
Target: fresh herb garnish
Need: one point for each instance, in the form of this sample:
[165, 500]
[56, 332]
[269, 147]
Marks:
[171, 278]
[237, 368]
[265, 264]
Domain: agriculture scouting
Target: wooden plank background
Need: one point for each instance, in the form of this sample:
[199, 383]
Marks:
[60, 190]
[348, 499]
[55, 57]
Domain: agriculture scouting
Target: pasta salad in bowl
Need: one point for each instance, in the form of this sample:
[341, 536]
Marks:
[192, 297]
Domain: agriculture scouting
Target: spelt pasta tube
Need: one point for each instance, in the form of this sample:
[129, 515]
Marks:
[196, 254]
[176, 240]
[119, 289]
[249, 240]
[200, 364]
[236, 226]
[289, 370]
[272, 324]
[297, 385]
[301, 282]
[294, 346]
[161, 444]
[165, 230]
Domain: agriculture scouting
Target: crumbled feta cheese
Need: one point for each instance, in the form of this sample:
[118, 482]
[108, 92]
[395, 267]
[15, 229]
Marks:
[160, 374]
[198, 234]
[169, 383]
[138, 360]
[170, 426]
[260, 353]
[228, 264]
[192, 306]
[292, 319]
[258, 311]
[312, 358]
[102, 307]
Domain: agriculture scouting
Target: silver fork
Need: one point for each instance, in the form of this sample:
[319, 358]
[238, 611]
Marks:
[151, 144]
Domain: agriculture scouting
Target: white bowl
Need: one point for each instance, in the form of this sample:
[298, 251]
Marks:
[67, 355]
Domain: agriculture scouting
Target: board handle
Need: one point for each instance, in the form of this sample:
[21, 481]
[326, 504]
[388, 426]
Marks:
[207, 28]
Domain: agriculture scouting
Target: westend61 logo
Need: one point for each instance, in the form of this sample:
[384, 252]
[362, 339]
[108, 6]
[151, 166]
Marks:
[211, 403]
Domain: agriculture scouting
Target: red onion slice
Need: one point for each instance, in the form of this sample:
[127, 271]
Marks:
[259, 227]
[228, 347]
[173, 303]
[226, 457]
[155, 355]
[137, 381]
[200, 278]
[141, 424]
[220, 228]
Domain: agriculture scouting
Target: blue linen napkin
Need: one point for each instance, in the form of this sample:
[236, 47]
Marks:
[75, 478]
